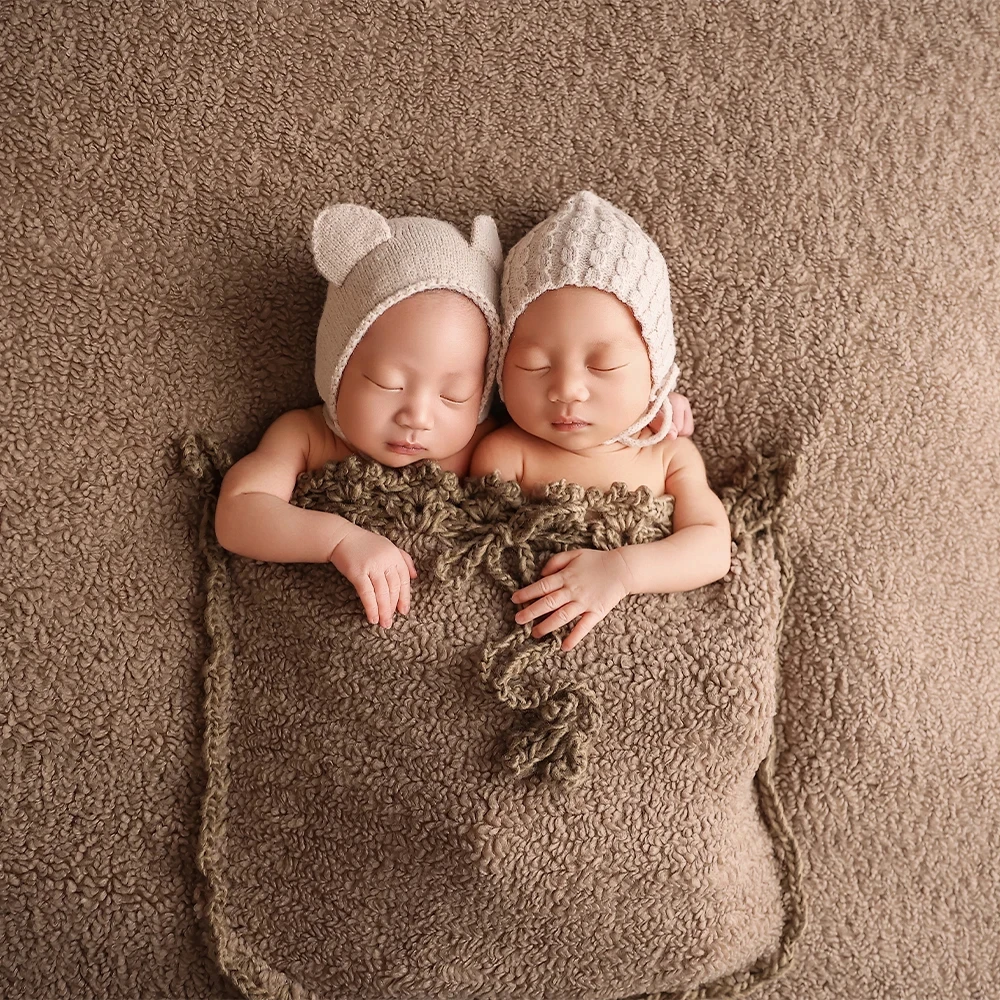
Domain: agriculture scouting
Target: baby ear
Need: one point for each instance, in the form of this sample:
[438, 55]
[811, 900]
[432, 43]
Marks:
[342, 235]
[486, 240]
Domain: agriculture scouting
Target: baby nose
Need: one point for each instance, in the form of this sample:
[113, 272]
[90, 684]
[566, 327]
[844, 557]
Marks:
[567, 387]
[415, 413]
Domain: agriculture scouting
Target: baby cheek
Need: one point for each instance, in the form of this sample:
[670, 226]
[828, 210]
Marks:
[525, 388]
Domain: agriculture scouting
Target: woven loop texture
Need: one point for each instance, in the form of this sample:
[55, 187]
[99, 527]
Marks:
[450, 807]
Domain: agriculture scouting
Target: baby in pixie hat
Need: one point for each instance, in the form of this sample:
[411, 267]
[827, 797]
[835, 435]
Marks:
[405, 363]
[586, 365]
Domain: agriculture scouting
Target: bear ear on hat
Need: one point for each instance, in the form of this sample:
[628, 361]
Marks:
[486, 240]
[343, 235]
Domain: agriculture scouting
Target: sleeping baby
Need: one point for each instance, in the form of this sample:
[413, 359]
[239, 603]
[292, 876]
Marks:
[406, 356]
[405, 364]
[586, 363]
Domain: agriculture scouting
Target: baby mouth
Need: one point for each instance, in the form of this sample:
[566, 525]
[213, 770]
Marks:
[406, 447]
[564, 424]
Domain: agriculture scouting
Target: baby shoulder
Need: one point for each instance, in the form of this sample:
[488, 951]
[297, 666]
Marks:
[324, 445]
[281, 455]
[499, 451]
[682, 463]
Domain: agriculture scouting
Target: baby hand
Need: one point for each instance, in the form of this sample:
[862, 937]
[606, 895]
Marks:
[583, 582]
[682, 423]
[380, 572]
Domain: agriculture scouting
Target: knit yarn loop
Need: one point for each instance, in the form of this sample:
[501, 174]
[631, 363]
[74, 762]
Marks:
[551, 735]
[489, 525]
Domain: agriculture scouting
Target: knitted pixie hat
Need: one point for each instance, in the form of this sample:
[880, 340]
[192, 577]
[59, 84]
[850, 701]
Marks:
[590, 243]
[372, 263]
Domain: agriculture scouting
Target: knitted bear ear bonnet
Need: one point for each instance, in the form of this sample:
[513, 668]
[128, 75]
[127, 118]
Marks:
[371, 263]
[590, 243]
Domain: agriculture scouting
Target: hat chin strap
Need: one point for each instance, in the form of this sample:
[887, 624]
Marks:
[659, 402]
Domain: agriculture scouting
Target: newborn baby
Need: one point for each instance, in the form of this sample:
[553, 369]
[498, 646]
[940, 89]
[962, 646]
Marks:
[405, 363]
[586, 364]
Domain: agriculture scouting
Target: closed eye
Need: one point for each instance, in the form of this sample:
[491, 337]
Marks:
[607, 369]
[399, 388]
[544, 368]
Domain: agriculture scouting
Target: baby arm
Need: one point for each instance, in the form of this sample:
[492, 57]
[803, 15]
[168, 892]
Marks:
[699, 550]
[498, 452]
[253, 518]
[589, 583]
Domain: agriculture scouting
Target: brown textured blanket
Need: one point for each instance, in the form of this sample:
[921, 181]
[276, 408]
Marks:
[451, 808]
[823, 180]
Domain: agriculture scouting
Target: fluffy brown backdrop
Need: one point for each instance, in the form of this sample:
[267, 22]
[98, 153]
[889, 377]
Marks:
[823, 179]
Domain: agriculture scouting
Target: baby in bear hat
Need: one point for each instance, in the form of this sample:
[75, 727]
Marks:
[585, 367]
[405, 363]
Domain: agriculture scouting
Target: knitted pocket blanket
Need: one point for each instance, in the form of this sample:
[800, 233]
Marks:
[452, 809]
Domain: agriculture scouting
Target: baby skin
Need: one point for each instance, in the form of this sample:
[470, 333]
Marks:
[576, 374]
[410, 391]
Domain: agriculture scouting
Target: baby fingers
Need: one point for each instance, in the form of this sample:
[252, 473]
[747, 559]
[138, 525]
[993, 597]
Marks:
[559, 618]
[547, 603]
[547, 585]
[386, 587]
[580, 629]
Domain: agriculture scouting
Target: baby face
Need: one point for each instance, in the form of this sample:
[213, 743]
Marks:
[412, 388]
[577, 371]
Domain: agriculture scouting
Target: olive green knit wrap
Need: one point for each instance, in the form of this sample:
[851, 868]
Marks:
[497, 529]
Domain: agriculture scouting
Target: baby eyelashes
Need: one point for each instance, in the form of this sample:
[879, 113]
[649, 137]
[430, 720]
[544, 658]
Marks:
[399, 388]
[545, 368]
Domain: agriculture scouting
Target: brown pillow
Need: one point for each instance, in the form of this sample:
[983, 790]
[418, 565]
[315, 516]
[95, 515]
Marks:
[450, 808]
